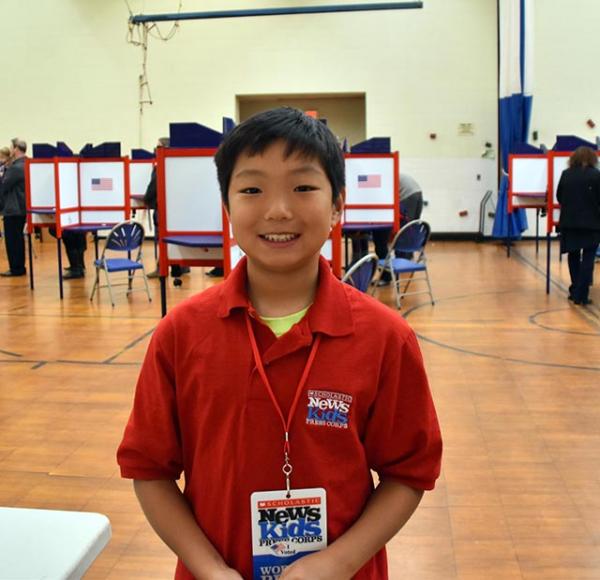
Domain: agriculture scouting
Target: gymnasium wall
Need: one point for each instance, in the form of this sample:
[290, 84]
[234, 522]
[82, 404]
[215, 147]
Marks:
[69, 74]
[567, 73]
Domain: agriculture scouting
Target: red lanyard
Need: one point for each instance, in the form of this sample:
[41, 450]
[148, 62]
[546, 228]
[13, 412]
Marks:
[287, 466]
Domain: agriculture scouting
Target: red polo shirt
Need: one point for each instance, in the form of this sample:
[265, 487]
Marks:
[201, 408]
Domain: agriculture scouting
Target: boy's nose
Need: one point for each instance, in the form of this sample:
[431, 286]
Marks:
[278, 208]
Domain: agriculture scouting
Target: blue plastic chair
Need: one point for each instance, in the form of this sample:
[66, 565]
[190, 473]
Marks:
[360, 274]
[125, 237]
[406, 261]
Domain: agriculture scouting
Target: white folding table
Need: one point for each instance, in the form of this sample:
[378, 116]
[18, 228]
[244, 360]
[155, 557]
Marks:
[49, 544]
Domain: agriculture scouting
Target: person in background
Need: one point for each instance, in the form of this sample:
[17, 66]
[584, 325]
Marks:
[75, 245]
[578, 193]
[151, 202]
[4, 160]
[411, 207]
[12, 207]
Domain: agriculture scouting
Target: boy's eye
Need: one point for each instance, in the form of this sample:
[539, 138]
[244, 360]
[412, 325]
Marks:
[305, 188]
[250, 190]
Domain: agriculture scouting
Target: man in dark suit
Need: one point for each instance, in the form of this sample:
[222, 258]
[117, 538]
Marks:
[12, 207]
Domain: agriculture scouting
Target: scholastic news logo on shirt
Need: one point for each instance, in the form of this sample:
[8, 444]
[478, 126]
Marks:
[328, 409]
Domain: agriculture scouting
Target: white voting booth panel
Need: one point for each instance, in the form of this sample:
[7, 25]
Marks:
[175, 252]
[68, 193]
[102, 217]
[193, 198]
[41, 184]
[368, 216]
[559, 164]
[41, 191]
[370, 180]
[235, 255]
[102, 183]
[140, 172]
[139, 176]
[529, 175]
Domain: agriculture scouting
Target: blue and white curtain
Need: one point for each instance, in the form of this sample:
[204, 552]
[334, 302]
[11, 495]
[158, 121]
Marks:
[515, 100]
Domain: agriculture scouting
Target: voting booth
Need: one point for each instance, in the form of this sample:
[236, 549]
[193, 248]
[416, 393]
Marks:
[528, 179]
[191, 213]
[372, 194]
[534, 182]
[76, 194]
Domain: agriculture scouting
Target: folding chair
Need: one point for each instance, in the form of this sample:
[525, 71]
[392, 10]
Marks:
[124, 237]
[360, 274]
[409, 242]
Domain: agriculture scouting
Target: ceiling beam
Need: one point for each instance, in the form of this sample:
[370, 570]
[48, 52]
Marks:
[143, 18]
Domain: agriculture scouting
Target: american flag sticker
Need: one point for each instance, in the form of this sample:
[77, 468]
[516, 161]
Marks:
[369, 181]
[102, 184]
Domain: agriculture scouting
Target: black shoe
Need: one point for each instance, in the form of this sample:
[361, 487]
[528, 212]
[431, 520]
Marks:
[215, 273]
[177, 271]
[73, 274]
[11, 274]
[584, 302]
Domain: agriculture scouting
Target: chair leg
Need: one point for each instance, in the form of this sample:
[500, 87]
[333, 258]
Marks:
[396, 281]
[375, 281]
[130, 276]
[110, 292]
[429, 286]
[146, 284]
[95, 286]
[408, 281]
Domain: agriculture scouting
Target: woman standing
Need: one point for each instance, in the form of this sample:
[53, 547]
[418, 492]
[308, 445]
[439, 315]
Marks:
[579, 197]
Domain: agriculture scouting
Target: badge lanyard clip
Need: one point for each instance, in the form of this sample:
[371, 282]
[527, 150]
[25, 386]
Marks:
[287, 464]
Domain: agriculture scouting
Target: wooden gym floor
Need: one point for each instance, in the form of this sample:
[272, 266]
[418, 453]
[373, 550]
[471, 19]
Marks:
[515, 375]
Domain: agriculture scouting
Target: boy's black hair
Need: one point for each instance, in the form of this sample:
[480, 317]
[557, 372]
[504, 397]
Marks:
[303, 135]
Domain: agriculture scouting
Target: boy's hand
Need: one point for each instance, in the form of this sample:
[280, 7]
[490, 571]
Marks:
[319, 566]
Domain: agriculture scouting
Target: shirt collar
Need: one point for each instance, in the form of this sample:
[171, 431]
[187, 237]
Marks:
[330, 313]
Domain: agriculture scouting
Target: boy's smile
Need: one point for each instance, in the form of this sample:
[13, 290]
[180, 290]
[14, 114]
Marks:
[281, 209]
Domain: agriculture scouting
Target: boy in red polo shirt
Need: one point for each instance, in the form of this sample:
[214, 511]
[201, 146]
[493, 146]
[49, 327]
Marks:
[278, 390]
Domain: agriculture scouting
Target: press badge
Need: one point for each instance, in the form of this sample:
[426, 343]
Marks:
[286, 529]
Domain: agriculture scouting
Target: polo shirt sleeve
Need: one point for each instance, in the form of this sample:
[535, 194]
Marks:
[402, 439]
[151, 446]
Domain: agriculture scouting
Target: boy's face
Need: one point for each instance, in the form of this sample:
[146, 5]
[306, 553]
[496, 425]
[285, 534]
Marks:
[281, 209]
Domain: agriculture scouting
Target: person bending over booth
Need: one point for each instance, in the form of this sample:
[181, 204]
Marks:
[271, 393]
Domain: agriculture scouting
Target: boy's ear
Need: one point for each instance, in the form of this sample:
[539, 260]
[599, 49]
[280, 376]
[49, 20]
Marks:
[338, 207]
